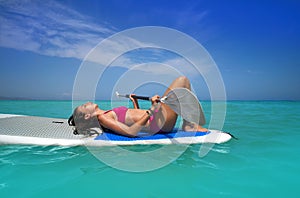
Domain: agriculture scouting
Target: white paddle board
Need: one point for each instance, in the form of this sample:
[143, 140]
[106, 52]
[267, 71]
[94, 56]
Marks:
[32, 130]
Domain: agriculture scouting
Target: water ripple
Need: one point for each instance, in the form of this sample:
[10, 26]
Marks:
[29, 155]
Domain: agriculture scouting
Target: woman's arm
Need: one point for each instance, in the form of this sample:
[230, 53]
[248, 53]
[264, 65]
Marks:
[123, 129]
[134, 101]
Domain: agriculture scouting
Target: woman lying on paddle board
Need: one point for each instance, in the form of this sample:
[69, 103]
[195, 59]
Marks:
[128, 122]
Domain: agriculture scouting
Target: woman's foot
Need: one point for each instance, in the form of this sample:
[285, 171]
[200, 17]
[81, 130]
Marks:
[188, 126]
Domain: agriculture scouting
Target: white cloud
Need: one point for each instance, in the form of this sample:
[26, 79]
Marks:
[52, 29]
[48, 28]
[190, 17]
[159, 62]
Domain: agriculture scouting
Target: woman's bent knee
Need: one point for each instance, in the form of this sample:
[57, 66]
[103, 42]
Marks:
[184, 81]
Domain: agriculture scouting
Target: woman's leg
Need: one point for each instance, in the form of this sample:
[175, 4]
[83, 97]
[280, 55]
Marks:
[180, 82]
[170, 116]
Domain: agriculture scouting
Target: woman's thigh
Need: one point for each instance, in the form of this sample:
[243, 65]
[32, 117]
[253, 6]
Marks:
[169, 115]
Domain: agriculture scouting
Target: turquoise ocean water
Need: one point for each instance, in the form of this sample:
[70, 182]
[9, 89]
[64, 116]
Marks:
[263, 162]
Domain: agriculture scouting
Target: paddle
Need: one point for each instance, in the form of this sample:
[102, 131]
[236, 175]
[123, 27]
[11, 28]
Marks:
[182, 101]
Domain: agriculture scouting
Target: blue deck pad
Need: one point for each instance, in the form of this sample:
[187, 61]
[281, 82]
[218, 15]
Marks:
[143, 136]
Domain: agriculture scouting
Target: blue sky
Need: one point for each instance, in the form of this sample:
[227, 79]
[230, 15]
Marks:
[255, 45]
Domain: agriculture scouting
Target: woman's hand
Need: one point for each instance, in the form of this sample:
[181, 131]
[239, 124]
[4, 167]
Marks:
[134, 101]
[155, 103]
[131, 97]
[155, 99]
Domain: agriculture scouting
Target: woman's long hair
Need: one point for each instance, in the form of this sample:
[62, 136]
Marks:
[83, 126]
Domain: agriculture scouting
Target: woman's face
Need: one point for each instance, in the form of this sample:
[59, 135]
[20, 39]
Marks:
[88, 108]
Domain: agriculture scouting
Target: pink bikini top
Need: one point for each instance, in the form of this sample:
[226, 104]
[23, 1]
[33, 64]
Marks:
[120, 112]
[121, 115]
